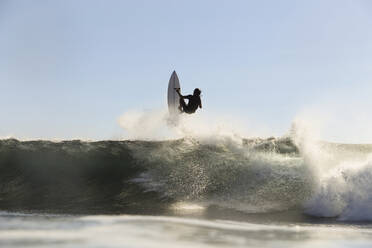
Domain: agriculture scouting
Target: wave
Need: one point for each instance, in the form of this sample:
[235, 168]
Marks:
[344, 192]
[251, 175]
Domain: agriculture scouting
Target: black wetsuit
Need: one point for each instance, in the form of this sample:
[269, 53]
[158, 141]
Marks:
[193, 104]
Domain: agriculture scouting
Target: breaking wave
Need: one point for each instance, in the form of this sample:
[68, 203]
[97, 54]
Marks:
[249, 175]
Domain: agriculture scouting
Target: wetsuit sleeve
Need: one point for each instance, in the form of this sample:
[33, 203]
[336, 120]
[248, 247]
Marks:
[188, 97]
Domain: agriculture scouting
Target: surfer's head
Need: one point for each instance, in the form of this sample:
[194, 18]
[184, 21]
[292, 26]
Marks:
[197, 92]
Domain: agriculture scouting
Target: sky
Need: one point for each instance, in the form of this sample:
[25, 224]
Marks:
[69, 69]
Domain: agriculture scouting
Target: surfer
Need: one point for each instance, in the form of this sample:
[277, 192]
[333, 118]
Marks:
[193, 104]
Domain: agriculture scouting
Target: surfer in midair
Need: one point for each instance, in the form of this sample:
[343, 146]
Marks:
[192, 105]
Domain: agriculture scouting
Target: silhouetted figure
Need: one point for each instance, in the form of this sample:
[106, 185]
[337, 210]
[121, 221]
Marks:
[192, 105]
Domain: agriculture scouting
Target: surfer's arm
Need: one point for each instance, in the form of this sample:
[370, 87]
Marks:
[178, 92]
[184, 97]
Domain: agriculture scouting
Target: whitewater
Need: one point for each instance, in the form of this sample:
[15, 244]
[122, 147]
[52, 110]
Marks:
[185, 184]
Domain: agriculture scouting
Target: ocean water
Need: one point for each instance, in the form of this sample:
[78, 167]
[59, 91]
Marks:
[38, 230]
[221, 192]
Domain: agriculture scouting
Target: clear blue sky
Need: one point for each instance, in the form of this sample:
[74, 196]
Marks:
[71, 68]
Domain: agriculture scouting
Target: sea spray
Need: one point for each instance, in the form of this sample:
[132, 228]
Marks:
[345, 193]
[156, 125]
[342, 176]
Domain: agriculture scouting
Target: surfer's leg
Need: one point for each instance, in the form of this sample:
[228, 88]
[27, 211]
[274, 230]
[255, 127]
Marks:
[182, 105]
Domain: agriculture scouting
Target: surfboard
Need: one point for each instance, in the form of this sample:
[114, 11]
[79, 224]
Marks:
[173, 97]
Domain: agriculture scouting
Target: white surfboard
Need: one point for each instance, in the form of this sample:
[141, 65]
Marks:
[173, 97]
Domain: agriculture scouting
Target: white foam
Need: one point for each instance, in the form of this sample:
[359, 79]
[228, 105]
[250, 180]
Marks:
[342, 182]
